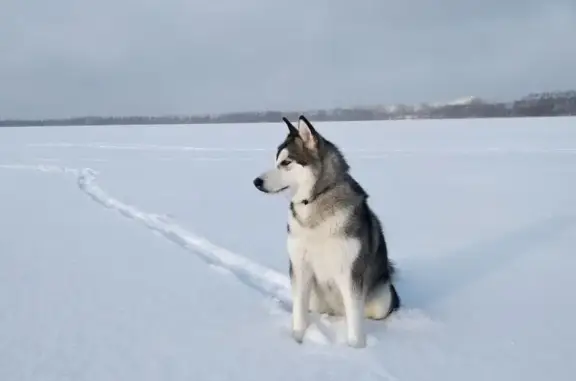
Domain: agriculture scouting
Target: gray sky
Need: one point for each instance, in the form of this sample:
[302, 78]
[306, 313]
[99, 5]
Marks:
[120, 57]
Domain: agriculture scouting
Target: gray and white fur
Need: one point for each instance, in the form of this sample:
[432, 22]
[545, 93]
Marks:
[339, 261]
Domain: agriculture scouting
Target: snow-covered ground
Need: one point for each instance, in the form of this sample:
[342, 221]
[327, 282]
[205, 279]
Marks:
[145, 253]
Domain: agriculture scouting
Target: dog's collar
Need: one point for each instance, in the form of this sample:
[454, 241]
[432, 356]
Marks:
[313, 198]
[307, 201]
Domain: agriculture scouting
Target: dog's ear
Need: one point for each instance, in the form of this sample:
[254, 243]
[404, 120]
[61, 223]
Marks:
[291, 128]
[307, 133]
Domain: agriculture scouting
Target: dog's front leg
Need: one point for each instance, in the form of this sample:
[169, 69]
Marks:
[301, 288]
[354, 308]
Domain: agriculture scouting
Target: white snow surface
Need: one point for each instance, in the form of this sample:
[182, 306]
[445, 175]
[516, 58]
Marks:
[145, 253]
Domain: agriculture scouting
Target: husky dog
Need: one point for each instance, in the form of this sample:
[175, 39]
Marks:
[338, 256]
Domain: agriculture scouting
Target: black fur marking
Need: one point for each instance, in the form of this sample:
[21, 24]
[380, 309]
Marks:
[395, 303]
[291, 128]
[290, 269]
[356, 187]
[288, 228]
[281, 147]
[372, 268]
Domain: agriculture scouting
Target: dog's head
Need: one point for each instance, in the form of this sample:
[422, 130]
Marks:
[297, 160]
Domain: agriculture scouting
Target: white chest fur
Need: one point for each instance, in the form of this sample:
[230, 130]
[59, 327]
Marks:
[323, 249]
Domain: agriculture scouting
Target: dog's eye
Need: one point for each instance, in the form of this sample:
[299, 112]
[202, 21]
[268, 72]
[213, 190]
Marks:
[284, 163]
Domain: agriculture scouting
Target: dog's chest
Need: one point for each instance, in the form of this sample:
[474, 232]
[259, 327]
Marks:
[323, 248]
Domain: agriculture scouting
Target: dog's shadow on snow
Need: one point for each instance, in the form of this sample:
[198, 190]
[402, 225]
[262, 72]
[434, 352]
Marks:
[422, 283]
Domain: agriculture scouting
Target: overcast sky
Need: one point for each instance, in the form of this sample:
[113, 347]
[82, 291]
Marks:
[116, 57]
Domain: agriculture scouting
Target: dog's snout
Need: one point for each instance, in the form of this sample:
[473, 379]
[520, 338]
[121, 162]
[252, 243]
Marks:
[258, 182]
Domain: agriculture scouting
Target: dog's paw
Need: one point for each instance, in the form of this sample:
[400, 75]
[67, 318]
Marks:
[298, 335]
[357, 341]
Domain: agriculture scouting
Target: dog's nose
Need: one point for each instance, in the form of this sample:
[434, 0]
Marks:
[258, 182]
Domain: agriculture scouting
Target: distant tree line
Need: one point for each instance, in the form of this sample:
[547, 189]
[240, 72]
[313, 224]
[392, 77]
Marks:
[532, 105]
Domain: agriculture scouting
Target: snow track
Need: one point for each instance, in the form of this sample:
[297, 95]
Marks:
[262, 279]
[268, 282]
